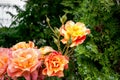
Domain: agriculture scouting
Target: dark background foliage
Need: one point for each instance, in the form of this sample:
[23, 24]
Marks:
[98, 58]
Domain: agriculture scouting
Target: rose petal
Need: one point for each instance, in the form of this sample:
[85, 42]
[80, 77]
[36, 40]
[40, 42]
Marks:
[78, 40]
[34, 75]
[27, 75]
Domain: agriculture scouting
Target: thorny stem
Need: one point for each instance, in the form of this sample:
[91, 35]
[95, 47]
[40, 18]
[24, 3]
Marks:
[59, 48]
[71, 50]
[57, 36]
[51, 27]
[67, 48]
[58, 44]
[64, 49]
[6, 76]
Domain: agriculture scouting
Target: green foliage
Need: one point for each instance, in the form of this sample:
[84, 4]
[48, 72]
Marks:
[91, 12]
[8, 36]
[94, 65]
[98, 57]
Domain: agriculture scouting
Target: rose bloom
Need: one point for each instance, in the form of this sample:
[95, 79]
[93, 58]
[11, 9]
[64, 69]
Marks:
[55, 63]
[4, 57]
[46, 49]
[75, 31]
[24, 62]
[22, 45]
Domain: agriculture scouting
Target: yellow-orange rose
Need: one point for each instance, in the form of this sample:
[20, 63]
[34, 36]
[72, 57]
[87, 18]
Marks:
[4, 52]
[55, 63]
[23, 62]
[46, 49]
[22, 45]
[75, 31]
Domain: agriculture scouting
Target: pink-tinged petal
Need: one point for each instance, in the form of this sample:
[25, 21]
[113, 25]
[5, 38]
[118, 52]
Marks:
[44, 71]
[31, 44]
[78, 41]
[87, 31]
[27, 75]
[33, 68]
[15, 78]
[49, 72]
[64, 41]
[4, 58]
[2, 78]
[12, 72]
[46, 49]
[34, 75]
[66, 38]
[64, 33]
[66, 66]
[69, 24]
[23, 45]
[62, 30]
[80, 24]
[58, 74]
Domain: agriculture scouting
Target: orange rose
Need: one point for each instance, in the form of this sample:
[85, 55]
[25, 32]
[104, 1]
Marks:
[75, 31]
[22, 45]
[55, 63]
[4, 52]
[24, 62]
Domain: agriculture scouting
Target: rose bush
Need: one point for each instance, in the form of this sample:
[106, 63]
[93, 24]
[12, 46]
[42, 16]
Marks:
[32, 63]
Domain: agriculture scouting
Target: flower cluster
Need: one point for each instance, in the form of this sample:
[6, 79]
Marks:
[33, 63]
